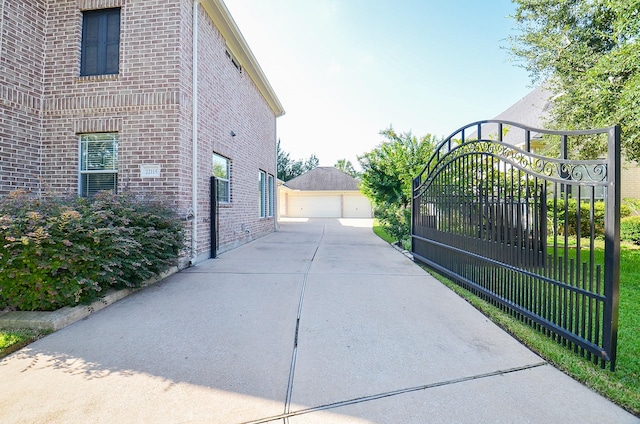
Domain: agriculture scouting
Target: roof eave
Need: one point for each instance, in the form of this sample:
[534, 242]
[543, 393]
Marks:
[222, 19]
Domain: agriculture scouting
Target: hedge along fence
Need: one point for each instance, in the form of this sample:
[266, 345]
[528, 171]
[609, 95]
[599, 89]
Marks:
[569, 210]
[629, 225]
[60, 252]
[630, 229]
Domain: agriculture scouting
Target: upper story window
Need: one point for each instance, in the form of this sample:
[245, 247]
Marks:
[98, 163]
[100, 42]
[222, 172]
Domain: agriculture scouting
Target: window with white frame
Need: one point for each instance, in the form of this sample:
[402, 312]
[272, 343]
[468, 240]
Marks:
[98, 163]
[222, 172]
[262, 193]
[270, 196]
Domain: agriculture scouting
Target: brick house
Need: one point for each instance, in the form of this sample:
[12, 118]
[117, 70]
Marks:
[119, 94]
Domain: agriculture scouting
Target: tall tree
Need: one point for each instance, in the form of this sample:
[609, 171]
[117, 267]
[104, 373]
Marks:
[288, 168]
[284, 163]
[387, 175]
[311, 163]
[346, 166]
[588, 53]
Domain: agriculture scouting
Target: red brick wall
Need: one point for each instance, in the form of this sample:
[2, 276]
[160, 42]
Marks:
[22, 26]
[140, 103]
[229, 101]
[46, 104]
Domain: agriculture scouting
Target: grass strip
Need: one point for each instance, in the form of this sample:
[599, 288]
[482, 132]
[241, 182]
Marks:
[12, 340]
[380, 232]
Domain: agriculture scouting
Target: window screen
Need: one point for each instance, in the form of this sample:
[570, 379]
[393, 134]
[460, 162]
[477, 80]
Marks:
[98, 163]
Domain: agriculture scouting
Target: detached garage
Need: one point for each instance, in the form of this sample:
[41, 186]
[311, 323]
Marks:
[323, 192]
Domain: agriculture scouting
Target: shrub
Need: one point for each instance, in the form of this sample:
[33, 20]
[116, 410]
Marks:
[633, 205]
[62, 251]
[571, 212]
[42, 263]
[148, 238]
[395, 220]
[630, 229]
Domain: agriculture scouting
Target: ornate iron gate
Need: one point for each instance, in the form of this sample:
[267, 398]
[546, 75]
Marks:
[525, 230]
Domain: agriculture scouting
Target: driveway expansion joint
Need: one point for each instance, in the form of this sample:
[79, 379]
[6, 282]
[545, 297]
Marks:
[294, 355]
[334, 405]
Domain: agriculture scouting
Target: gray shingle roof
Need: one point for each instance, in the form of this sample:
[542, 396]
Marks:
[323, 178]
[531, 111]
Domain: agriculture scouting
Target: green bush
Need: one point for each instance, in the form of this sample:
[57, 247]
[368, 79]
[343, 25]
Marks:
[56, 252]
[148, 238]
[630, 229]
[570, 210]
[42, 254]
[395, 220]
[633, 205]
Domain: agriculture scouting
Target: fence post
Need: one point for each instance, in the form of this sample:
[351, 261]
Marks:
[612, 248]
[414, 208]
[213, 204]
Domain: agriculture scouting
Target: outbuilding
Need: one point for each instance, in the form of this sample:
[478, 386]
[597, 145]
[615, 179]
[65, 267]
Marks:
[323, 192]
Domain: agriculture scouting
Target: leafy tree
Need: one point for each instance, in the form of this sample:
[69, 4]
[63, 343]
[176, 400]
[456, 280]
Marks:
[588, 53]
[311, 163]
[284, 163]
[346, 166]
[388, 172]
[288, 168]
[296, 168]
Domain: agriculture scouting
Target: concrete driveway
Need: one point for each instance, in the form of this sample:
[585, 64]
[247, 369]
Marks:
[320, 322]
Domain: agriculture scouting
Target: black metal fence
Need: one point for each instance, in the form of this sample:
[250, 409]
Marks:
[213, 216]
[526, 230]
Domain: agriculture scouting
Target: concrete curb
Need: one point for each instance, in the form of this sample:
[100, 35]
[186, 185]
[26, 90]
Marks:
[55, 320]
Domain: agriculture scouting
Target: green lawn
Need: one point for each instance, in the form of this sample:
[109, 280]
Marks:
[380, 232]
[12, 340]
[621, 386]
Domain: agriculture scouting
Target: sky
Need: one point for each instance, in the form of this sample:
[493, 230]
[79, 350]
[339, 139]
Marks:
[344, 70]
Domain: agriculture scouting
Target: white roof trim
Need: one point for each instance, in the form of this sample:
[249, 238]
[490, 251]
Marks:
[222, 19]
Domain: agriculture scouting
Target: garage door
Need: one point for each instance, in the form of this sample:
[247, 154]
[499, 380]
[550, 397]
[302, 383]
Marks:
[357, 206]
[314, 206]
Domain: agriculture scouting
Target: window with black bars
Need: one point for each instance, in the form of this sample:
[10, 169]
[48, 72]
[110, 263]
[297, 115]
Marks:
[100, 53]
